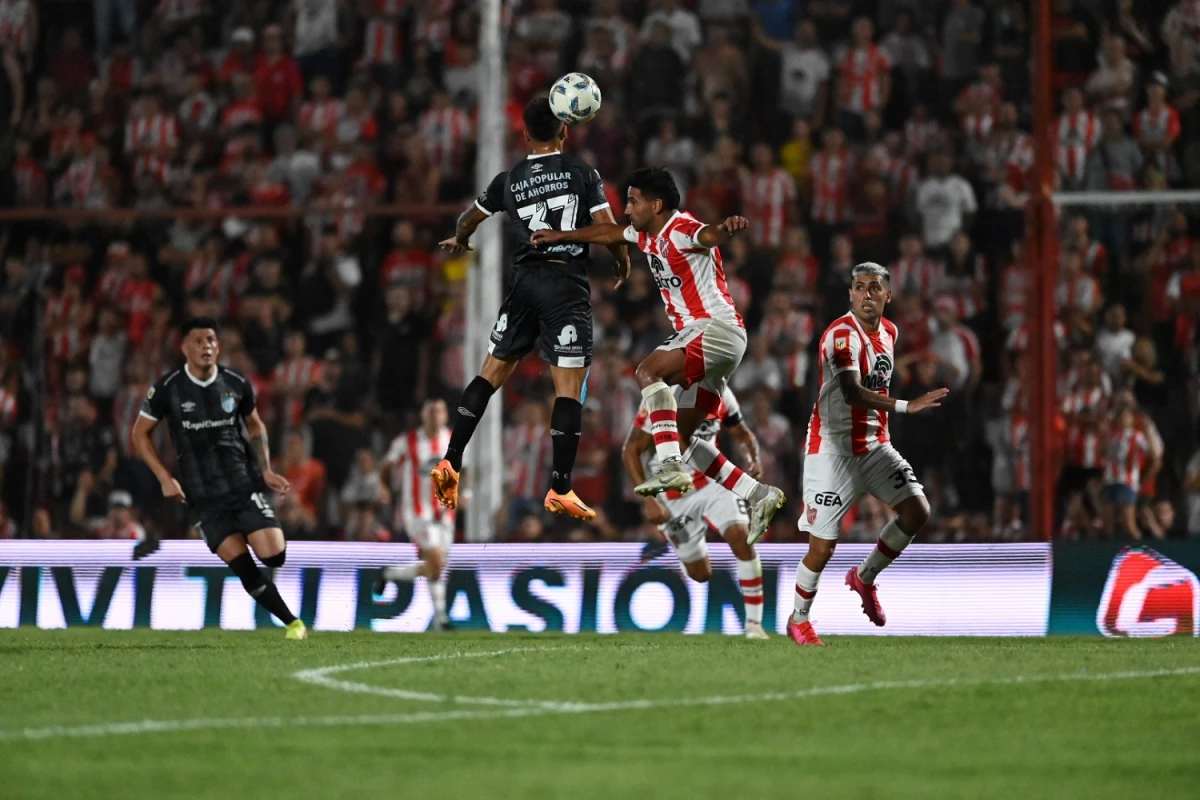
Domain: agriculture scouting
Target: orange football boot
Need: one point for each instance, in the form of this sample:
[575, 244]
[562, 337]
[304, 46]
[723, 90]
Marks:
[568, 504]
[445, 483]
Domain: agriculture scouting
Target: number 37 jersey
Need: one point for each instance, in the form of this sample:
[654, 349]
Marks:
[550, 191]
[836, 427]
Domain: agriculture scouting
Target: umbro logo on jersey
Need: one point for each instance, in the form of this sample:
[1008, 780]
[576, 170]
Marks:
[187, 406]
[555, 433]
[466, 412]
[537, 168]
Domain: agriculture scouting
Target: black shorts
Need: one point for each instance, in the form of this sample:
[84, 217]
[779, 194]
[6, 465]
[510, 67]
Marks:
[548, 307]
[217, 521]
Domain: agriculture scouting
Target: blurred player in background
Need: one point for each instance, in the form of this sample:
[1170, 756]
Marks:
[685, 519]
[223, 478]
[430, 526]
[849, 453]
[549, 303]
[709, 339]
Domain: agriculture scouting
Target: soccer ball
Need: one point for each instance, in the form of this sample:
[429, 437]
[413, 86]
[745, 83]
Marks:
[575, 98]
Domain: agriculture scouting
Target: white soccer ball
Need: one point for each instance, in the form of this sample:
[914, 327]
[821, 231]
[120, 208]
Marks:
[575, 98]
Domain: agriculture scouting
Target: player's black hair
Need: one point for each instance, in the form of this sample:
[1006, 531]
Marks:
[656, 183]
[540, 122]
[199, 323]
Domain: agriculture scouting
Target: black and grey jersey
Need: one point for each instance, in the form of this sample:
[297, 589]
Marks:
[547, 191]
[204, 419]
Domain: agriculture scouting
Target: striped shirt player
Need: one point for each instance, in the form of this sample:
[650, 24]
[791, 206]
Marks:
[709, 339]
[429, 524]
[1128, 458]
[849, 451]
[685, 519]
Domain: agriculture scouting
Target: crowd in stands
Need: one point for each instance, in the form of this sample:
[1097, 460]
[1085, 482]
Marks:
[847, 130]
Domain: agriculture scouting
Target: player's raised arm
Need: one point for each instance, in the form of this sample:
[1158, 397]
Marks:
[858, 395]
[487, 204]
[608, 233]
[719, 235]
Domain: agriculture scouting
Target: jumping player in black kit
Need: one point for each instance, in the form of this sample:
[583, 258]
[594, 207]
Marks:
[223, 478]
[549, 302]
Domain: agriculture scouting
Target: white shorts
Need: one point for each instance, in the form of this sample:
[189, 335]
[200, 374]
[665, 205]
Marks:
[833, 484]
[426, 533]
[691, 515]
[713, 349]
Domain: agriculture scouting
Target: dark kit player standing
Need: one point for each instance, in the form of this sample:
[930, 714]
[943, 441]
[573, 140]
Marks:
[223, 478]
[549, 302]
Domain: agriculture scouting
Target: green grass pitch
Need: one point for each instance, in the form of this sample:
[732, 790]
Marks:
[108, 714]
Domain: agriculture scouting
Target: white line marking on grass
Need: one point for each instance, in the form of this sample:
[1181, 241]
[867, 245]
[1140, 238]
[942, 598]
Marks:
[182, 725]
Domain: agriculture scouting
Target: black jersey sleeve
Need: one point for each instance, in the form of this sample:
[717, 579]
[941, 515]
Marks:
[492, 198]
[596, 199]
[155, 404]
[247, 402]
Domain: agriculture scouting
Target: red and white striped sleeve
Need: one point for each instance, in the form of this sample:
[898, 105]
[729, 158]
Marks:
[841, 349]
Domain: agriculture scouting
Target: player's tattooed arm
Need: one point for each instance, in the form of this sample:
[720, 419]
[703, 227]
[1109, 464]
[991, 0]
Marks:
[257, 432]
[860, 396]
[596, 233]
[468, 221]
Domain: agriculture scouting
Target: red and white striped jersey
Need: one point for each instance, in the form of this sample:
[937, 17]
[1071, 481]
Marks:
[837, 427]
[976, 130]
[1128, 456]
[1085, 446]
[382, 42]
[830, 176]
[768, 200]
[68, 345]
[862, 70]
[1081, 293]
[1020, 453]
[920, 275]
[446, 131]
[527, 451]
[727, 415]
[689, 275]
[322, 117]
[1077, 134]
[158, 134]
[961, 283]
[295, 375]
[412, 456]
[1159, 126]
[1016, 285]
[1095, 260]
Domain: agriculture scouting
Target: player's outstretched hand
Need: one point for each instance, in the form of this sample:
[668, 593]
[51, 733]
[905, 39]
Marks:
[454, 245]
[929, 400]
[654, 511]
[277, 483]
[735, 224]
[172, 490]
[545, 237]
[622, 270]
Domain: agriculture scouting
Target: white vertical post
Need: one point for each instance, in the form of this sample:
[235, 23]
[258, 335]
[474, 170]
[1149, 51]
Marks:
[484, 457]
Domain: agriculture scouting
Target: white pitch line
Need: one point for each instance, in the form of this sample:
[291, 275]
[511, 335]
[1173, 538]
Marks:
[171, 726]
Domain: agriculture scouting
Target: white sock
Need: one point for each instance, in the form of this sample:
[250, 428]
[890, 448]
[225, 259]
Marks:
[437, 593]
[891, 544]
[705, 458]
[806, 590]
[404, 572]
[751, 581]
[664, 425]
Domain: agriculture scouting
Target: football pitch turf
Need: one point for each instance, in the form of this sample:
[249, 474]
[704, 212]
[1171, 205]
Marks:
[153, 714]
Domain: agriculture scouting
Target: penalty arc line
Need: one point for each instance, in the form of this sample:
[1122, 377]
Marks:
[174, 726]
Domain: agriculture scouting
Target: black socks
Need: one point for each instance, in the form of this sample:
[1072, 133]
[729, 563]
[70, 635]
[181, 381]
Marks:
[261, 589]
[471, 406]
[566, 422]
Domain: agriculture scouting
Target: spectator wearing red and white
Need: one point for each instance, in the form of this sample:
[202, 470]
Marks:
[829, 174]
[323, 112]
[69, 344]
[198, 110]
[363, 180]
[915, 272]
[115, 275]
[945, 202]
[150, 131]
[789, 332]
[1077, 130]
[60, 304]
[985, 93]
[864, 80]
[1085, 407]
[278, 83]
[446, 128]
[245, 111]
[292, 378]
[407, 264]
[888, 160]
[527, 453]
[1113, 85]
[913, 325]
[29, 178]
[1156, 128]
[955, 345]
[1005, 158]
[432, 25]
[1129, 458]
[120, 522]
[358, 121]
[136, 297]
[1077, 296]
[383, 40]
[978, 118]
[965, 277]
[241, 58]
[768, 196]
[1170, 252]
[1077, 237]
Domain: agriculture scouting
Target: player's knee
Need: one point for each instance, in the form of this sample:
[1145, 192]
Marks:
[275, 561]
[914, 513]
[699, 571]
[819, 553]
[249, 574]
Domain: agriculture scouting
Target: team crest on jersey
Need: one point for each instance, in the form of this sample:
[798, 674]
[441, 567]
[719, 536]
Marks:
[811, 514]
[150, 393]
[841, 343]
[228, 403]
